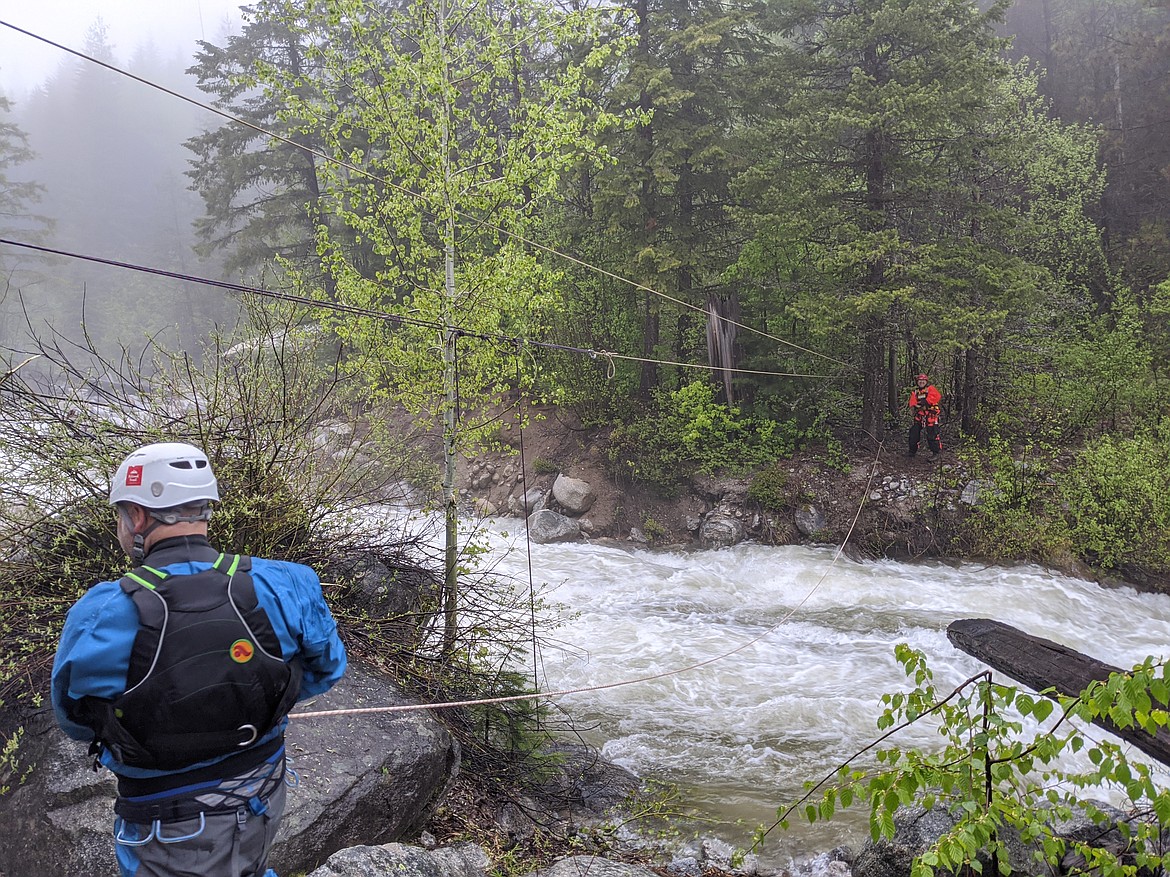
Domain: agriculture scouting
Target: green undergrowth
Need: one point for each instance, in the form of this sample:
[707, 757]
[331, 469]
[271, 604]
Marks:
[686, 431]
[1105, 503]
[285, 494]
[1009, 765]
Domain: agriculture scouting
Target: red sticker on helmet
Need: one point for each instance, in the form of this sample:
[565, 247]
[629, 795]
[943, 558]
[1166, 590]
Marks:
[134, 476]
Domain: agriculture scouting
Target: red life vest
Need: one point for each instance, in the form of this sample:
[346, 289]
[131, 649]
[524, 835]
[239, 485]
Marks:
[925, 405]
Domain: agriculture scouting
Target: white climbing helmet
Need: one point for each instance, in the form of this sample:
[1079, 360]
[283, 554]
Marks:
[163, 476]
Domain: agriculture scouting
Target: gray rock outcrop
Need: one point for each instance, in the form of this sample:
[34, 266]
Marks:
[592, 866]
[363, 779]
[547, 526]
[916, 829]
[462, 860]
[810, 521]
[532, 501]
[389, 592]
[369, 778]
[720, 531]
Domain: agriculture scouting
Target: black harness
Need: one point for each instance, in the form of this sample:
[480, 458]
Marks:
[206, 677]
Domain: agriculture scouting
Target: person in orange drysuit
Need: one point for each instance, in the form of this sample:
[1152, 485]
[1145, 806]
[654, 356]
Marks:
[924, 404]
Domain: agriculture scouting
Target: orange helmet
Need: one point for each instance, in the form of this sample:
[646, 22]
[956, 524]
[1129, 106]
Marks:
[922, 378]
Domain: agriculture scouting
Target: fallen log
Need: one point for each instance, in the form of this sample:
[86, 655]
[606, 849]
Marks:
[1047, 668]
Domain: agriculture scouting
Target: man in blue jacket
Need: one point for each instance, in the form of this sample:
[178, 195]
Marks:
[182, 674]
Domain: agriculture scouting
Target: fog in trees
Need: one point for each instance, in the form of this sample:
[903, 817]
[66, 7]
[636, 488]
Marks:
[675, 209]
[108, 154]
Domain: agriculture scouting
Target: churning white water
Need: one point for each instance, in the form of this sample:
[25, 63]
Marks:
[742, 734]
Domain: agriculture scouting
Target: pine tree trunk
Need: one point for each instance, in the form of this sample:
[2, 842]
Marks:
[873, 379]
[970, 390]
[648, 379]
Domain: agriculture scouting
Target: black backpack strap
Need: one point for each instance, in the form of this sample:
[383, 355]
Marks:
[144, 577]
[243, 594]
[141, 585]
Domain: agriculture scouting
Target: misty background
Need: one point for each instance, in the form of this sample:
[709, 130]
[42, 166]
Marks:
[106, 159]
[108, 162]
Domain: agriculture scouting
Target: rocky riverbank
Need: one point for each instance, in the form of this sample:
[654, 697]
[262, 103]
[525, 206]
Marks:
[873, 502]
[882, 503]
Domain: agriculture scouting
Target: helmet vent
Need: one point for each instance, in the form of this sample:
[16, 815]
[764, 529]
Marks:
[188, 464]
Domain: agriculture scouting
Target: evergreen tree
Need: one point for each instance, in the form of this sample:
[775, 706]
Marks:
[667, 198]
[18, 198]
[1104, 64]
[109, 151]
[18, 194]
[262, 196]
[900, 216]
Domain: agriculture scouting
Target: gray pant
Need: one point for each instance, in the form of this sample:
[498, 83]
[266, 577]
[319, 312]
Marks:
[232, 843]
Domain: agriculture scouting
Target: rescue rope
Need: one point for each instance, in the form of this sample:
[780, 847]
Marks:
[609, 355]
[520, 415]
[396, 319]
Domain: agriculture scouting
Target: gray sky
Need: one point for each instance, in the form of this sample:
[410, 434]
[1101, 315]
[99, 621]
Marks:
[171, 25]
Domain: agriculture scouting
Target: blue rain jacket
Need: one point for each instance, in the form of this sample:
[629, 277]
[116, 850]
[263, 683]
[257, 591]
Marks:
[93, 657]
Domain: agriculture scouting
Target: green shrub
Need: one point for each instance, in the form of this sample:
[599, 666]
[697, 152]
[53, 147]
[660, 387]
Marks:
[1116, 497]
[253, 407]
[654, 531]
[687, 431]
[541, 466]
[1017, 516]
[999, 767]
[1109, 505]
[1082, 380]
[769, 488]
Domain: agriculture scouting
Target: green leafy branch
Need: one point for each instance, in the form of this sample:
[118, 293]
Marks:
[1006, 791]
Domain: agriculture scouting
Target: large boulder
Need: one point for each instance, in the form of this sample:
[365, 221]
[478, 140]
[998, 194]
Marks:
[915, 830]
[364, 779]
[593, 866]
[720, 530]
[532, 501]
[579, 788]
[370, 778]
[547, 526]
[810, 521]
[389, 590]
[573, 495]
[400, 860]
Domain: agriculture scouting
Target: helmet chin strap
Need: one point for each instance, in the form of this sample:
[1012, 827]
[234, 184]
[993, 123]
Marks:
[138, 549]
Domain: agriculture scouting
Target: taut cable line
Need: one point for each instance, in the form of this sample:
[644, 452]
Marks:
[397, 319]
[412, 194]
[548, 695]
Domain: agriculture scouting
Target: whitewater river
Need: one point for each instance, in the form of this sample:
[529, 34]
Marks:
[742, 734]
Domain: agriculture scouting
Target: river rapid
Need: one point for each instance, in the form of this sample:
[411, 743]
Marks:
[815, 637]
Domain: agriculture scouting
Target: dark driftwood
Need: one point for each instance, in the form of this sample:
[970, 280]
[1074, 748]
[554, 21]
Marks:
[1043, 666]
